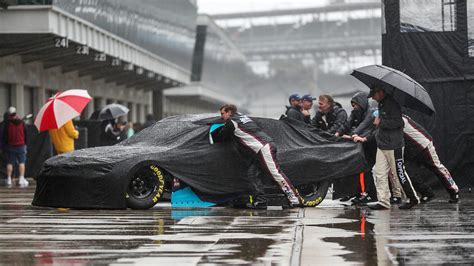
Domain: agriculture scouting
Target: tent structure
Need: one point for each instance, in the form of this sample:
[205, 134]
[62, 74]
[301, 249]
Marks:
[435, 46]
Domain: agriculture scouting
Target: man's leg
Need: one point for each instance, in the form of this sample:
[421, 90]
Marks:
[268, 159]
[397, 165]
[395, 186]
[9, 174]
[414, 170]
[21, 180]
[380, 173]
[432, 162]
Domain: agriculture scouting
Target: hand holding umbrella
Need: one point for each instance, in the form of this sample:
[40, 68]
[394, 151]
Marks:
[405, 90]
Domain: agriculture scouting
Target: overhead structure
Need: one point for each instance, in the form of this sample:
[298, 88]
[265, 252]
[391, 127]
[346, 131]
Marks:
[59, 39]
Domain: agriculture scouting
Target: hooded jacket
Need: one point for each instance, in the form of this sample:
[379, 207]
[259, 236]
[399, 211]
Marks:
[294, 113]
[335, 119]
[63, 137]
[360, 121]
[14, 132]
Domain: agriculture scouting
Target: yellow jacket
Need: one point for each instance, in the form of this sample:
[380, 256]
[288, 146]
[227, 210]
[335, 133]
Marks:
[63, 137]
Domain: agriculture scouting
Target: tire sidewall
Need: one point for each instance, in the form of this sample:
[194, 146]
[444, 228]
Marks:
[159, 186]
[318, 196]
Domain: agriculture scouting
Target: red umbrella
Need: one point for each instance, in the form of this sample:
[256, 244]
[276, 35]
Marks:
[61, 108]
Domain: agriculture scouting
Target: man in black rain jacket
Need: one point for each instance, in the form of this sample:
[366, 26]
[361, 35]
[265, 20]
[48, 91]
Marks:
[390, 144]
[330, 116]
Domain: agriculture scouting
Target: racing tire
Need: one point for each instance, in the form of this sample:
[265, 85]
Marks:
[313, 194]
[146, 185]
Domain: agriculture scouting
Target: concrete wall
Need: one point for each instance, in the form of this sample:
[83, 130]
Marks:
[20, 77]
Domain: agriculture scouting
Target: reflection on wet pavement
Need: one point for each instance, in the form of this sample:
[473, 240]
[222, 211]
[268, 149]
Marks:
[332, 233]
[434, 233]
[30, 235]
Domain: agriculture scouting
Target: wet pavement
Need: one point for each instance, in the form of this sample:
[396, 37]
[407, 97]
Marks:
[330, 234]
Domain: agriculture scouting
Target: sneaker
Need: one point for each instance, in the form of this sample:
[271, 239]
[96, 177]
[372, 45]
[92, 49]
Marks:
[260, 202]
[347, 198]
[9, 181]
[426, 198]
[407, 205]
[365, 200]
[377, 206]
[454, 198]
[395, 200]
[23, 182]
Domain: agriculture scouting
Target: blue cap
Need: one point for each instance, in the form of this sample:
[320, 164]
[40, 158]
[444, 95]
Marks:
[295, 97]
[308, 97]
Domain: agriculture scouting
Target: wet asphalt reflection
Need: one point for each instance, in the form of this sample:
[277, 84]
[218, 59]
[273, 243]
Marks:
[437, 232]
[331, 234]
[31, 235]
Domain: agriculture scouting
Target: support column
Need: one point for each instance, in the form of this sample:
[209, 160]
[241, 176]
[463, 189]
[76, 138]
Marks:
[157, 104]
[133, 110]
[18, 94]
[39, 98]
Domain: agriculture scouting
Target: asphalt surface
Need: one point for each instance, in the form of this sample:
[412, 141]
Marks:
[330, 234]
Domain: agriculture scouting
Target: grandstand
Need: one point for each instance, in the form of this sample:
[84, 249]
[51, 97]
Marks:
[308, 50]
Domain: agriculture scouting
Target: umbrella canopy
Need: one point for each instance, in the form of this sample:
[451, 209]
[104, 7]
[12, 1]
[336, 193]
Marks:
[61, 108]
[110, 111]
[405, 90]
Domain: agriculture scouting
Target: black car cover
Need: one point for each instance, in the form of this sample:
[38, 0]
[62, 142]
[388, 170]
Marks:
[181, 146]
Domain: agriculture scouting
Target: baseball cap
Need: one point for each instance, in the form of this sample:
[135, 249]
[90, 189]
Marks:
[294, 97]
[12, 110]
[308, 97]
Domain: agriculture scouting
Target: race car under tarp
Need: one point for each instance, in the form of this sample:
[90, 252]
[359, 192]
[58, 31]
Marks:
[137, 171]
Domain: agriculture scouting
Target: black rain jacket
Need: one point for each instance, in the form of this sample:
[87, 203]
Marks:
[294, 113]
[335, 118]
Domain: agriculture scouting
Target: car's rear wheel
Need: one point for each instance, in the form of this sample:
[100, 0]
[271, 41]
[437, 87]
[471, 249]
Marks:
[313, 194]
[146, 185]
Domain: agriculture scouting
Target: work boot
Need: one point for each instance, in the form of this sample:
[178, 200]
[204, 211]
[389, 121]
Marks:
[454, 197]
[23, 182]
[408, 205]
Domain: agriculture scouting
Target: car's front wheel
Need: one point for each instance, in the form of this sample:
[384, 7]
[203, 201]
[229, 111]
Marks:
[313, 194]
[146, 185]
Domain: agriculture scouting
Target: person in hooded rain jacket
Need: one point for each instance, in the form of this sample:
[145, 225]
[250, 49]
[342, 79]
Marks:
[63, 137]
[361, 123]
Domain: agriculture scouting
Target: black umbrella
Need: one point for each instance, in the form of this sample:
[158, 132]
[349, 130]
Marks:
[110, 111]
[405, 90]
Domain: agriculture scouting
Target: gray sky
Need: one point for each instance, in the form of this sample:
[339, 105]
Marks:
[232, 6]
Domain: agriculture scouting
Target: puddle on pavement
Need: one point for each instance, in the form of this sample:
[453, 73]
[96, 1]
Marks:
[180, 236]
